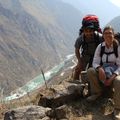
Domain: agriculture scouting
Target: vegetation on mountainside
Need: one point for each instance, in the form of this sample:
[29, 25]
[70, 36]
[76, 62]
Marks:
[33, 35]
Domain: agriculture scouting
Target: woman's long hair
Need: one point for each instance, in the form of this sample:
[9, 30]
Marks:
[115, 41]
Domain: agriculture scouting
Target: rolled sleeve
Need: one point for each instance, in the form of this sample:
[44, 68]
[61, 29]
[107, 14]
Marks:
[79, 41]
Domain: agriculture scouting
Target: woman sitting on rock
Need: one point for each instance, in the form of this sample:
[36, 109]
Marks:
[106, 68]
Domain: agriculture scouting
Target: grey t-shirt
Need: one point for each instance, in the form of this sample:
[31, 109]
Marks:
[88, 47]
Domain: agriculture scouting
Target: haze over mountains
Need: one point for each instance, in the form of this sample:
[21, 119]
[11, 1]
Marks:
[115, 23]
[104, 9]
[34, 34]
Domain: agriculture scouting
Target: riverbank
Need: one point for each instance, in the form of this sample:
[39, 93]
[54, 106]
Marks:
[64, 74]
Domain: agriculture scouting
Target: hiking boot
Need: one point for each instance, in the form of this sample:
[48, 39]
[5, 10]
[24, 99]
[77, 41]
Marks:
[116, 114]
[93, 97]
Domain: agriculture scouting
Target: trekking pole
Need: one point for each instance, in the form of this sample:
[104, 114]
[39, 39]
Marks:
[87, 66]
[44, 78]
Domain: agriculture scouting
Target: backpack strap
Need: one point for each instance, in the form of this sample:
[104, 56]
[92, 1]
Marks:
[115, 51]
[101, 53]
[108, 53]
[115, 47]
[98, 38]
[102, 50]
[84, 43]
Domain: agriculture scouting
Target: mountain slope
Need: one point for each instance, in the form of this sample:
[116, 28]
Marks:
[33, 35]
[115, 23]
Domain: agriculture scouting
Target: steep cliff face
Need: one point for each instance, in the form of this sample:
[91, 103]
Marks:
[34, 34]
[115, 23]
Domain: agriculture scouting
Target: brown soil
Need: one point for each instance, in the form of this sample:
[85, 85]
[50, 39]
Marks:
[77, 110]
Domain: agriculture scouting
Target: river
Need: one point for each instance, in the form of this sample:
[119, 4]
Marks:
[38, 81]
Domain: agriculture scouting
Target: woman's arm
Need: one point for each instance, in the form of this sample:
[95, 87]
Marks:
[96, 64]
[97, 58]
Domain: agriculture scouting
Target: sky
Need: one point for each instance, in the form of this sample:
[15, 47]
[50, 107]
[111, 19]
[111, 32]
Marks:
[106, 10]
[116, 2]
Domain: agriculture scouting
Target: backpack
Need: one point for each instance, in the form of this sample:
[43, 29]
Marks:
[91, 19]
[115, 51]
[87, 21]
[115, 46]
[87, 50]
[94, 20]
[117, 37]
[97, 40]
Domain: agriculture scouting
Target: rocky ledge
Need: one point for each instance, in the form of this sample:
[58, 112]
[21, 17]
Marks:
[51, 105]
[65, 101]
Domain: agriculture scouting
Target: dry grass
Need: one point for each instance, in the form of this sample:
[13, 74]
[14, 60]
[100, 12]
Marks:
[33, 97]
[29, 99]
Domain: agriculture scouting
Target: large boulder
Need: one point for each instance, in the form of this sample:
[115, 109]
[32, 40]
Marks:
[58, 95]
[28, 113]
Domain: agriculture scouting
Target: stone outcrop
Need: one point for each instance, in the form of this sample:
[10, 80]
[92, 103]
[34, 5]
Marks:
[31, 40]
[58, 95]
[28, 113]
[52, 104]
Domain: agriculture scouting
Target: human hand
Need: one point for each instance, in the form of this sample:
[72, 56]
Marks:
[109, 81]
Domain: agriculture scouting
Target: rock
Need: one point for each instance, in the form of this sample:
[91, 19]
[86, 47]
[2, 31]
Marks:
[28, 113]
[58, 95]
[59, 113]
[107, 107]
